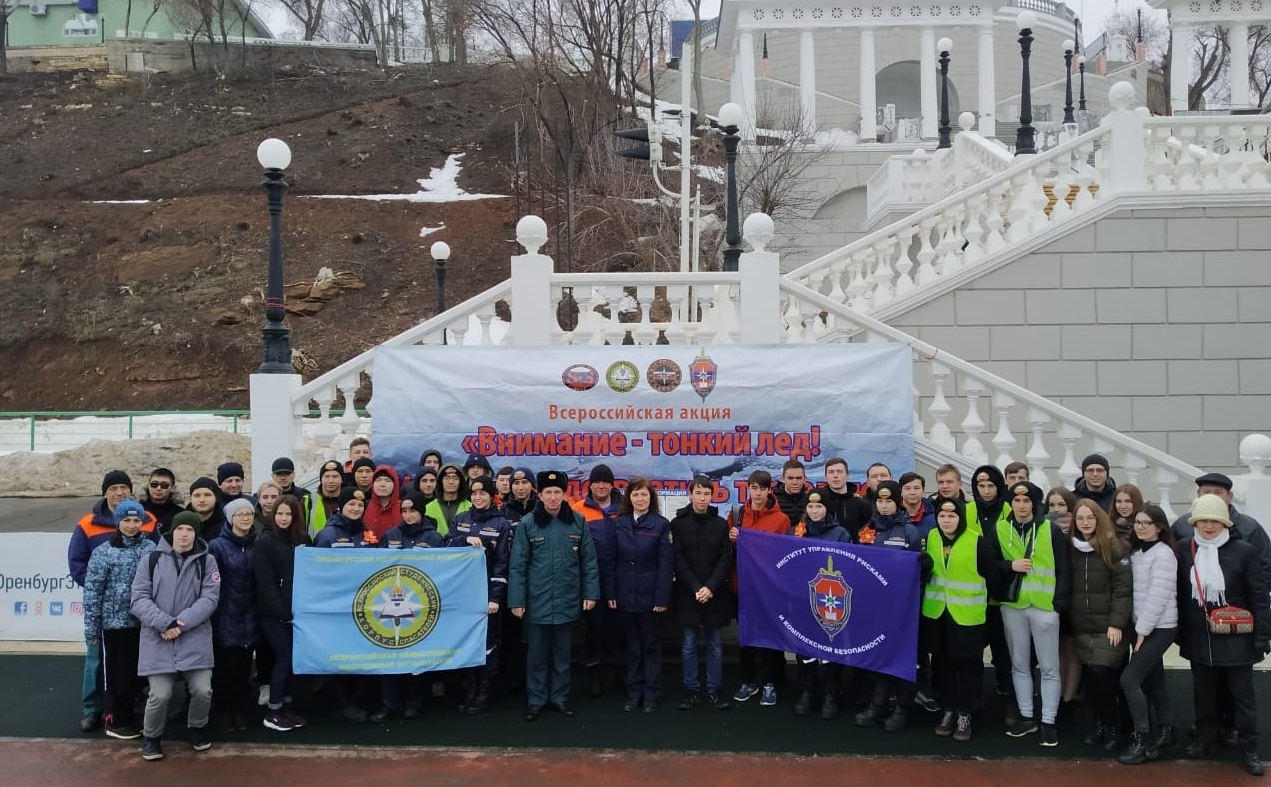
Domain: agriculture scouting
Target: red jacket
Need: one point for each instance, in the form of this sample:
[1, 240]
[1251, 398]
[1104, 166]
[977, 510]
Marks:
[380, 517]
[770, 520]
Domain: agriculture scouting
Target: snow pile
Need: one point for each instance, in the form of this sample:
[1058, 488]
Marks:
[442, 185]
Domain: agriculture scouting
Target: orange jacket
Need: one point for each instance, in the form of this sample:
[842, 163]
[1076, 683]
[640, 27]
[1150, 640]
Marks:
[770, 520]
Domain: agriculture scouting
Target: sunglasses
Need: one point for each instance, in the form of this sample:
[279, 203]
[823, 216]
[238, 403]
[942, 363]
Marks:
[160, 485]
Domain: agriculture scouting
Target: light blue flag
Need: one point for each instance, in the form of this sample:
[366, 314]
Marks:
[388, 611]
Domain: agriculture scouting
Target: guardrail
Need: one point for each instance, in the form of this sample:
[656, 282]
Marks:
[51, 430]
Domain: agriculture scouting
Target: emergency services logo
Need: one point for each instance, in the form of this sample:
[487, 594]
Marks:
[664, 375]
[704, 374]
[397, 607]
[622, 376]
[831, 599]
[580, 377]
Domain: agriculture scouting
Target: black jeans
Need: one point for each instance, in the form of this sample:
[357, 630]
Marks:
[1205, 695]
[1103, 693]
[278, 635]
[231, 677]
[119, 666]
[958, 682]
[1143, 682]
[760, 665]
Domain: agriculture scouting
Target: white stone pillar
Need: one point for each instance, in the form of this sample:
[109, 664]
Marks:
[1238, 36]
[1180, 69]
[746, 75]
[869, 88]
[988, 87]
[807, 80]
[759, 274]
[927, 82]
[273, 422]
[533, 312]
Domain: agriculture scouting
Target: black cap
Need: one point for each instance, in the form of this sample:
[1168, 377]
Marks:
[115, 477]
[888, 490]
[601, 474]
[203, 482]
[1214, 479]
[361, 462]
[283, 464]
[1032, 492]
[1094, 459]
[476, 460]
[482, 483]
[552, 478]
[229, 470]
[351, 493]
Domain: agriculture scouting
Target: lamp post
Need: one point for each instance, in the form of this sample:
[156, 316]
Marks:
[730, 120]
[275, 156]
[944, 46]
[1081, 70]
[1069, 46]
[1025, 134]
[440, 253]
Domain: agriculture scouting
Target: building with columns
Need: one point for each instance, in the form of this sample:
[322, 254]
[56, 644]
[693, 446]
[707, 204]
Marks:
[1187, 16]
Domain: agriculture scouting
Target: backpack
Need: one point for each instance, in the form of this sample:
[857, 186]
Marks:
[201, 568]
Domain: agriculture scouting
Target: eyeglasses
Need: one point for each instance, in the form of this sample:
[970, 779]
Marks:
[160, 485]
[1144, 523]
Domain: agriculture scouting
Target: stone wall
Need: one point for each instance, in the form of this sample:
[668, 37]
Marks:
[175, 56]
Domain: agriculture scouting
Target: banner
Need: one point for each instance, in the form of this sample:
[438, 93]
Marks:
[388, 611]
[665, 412]
[855, 605]
[38, 598]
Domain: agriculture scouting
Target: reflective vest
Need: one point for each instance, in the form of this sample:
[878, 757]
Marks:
[956, 584]
[1038, 586]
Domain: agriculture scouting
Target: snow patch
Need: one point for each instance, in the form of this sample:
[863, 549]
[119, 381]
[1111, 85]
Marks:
[424, 232]
[440, 186]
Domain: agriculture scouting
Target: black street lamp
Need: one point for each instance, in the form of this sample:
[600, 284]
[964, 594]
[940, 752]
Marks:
[944, 46]
[730, 120]
[1069, 46]
[275, 156]
[1081, 70]
[1025, 134]
[440, 253]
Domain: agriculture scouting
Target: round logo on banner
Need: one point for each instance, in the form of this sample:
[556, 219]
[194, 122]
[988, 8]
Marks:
[397, 607]
[622, 376]
[664, 375]
[580, 377]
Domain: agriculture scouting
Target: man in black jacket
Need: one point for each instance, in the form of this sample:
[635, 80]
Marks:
[839, 496]
[792, 492]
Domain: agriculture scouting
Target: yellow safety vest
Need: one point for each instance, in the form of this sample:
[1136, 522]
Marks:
[956, 584]
[1038, 587]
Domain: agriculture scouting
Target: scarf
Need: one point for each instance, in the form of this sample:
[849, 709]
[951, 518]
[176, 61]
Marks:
[1082, 545]
[1207, 578]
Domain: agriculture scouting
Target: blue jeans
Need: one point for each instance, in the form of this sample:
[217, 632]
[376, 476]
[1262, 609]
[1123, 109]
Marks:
[714, 658]
[279, 637]
[91, 691]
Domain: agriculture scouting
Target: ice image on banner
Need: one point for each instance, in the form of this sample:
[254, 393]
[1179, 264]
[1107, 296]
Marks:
[380, 611]
[854, 605]
[668, 413]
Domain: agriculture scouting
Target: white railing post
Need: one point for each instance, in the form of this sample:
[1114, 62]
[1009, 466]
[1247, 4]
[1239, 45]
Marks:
[1127, 148]
[759, 273]
[1255, 451]
[532, 312]
[274, 425]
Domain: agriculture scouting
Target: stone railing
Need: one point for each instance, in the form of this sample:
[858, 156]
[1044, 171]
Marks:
[980, 228]
[963, 411]
[1048, 7]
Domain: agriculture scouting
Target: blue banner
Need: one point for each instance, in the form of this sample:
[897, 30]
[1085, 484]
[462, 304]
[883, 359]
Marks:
[388, 611]
[854, 605]
[668, 413]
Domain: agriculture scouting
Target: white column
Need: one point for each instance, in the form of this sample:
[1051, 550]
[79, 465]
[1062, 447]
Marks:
[927, 82]
[273, 422]
[869, 90]
[533, 314]
[807, 79]
[988, 86]
[1238, 36]
[1180, 69]
[746, 75]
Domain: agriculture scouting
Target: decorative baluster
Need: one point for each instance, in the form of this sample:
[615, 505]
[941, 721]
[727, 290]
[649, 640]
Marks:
[1209, 164]
[810, 316]
[1069, 471]
[973, 424]
[458, 333]
[1020, 207]
[904, 282]
[644, 332]
[674, 328]
[1163, 166]
[793, 320]
[939, 409]
[881, 279]
[974, 231]
[946, 260]
[857, 289]
[327, 430]
[1188, 160]
[1231, 165]
[1003, 440]
[1037, 200]
[1134, 466]
[350, 421]
[1165, 480]
[836, 281]
[1062, 188]
[1085, 198]
[917, 428]
[484, 319]
[994, 224]
[707, 327]
[926, 254]
[1038, 458]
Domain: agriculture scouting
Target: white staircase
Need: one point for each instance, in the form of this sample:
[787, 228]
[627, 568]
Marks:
[963, 414]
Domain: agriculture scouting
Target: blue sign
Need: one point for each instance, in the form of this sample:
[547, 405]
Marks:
[388, 611]
[854, 605]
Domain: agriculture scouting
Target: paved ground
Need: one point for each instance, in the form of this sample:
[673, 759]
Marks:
[42, 514]
[42, 762]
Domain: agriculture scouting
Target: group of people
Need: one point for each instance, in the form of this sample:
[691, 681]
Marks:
[1070, 581]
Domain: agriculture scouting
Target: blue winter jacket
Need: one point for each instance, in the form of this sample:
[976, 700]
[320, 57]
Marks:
[642, 563]
[235, 624]
[341, 532]
[495, 532]
[421, 534]
[896, 531]
[108, 585]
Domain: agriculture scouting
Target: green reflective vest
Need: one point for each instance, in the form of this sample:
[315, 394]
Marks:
[956, 584]
[1038, 586]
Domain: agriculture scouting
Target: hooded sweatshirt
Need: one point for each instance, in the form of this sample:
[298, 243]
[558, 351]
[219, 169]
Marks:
[982, 516]
[827, 529]
[379, 517]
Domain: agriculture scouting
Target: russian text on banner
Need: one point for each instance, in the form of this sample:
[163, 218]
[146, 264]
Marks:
[385, 612]
[854, 605]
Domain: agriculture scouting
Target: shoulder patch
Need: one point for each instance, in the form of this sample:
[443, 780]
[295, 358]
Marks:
[216, 576]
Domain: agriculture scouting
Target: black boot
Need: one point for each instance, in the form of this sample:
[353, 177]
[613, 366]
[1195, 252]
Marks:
[469, 693]
[1163, 742]
[1096, 736]
[1136, 752]
[1252, 763]
[594, 686]
[482, 696]
[803, 705]
[897, 721]
[829, 707]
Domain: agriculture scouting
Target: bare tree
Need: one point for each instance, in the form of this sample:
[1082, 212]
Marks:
[155, 7]
[309, 13]
[7, 7]
[1151, 29]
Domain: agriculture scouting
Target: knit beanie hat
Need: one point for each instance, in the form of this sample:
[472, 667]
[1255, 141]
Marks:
[229, 470]
[129, 508]
[417, 501]
[234, 506]
[1032, 492]
[203, 482]
[601, 474]
[1094, 459]
[1210, 507]
[351, 493]
[523, 473]
[187, 519]
[888, 490]
[115, 477]
[482, 483]
[361, 462]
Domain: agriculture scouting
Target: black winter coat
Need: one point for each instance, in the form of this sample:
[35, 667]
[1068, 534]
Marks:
[946, 637]
[643, 563]
[1246, 588]
[852, 512]
[274, 563]
[703, 558]
[235, 623]
[1102, 598]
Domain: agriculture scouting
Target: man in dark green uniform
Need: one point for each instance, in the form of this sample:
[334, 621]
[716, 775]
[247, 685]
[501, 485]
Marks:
[553, 577]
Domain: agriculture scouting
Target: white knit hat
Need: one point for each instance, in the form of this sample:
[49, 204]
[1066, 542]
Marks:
[1210, 507]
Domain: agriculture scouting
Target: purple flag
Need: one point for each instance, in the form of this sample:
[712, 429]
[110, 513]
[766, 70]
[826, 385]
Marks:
[849, 604]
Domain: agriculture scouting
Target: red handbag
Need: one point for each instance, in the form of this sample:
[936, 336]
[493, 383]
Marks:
[1223, 620]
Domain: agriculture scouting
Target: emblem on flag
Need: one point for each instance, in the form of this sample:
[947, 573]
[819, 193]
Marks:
[704, 373]
[831, 599]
